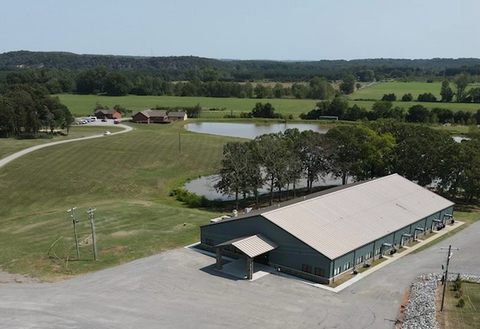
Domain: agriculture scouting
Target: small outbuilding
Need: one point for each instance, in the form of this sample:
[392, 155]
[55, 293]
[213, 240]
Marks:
[326, 235]
[177, 116]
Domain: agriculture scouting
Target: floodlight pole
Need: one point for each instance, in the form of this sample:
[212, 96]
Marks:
[449, 255]
[91, 213]
[74, 222]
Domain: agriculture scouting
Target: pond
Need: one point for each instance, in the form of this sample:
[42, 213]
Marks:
[249, 130]
[204, 186]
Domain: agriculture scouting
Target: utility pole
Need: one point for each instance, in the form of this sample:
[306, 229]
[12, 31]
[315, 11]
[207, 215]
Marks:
[74, 222]
[179, 144]
[91, 213]
[446, 273]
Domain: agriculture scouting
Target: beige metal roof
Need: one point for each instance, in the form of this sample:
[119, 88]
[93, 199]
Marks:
[252, 245]
[338, 222]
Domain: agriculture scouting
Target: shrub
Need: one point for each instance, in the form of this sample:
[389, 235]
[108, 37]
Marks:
[457, 285]
[461, 303]
[459, 293]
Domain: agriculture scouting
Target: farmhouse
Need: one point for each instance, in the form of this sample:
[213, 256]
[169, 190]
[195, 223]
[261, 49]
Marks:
[158, 116]
[107, 114]
[150, 116]
[328, 234]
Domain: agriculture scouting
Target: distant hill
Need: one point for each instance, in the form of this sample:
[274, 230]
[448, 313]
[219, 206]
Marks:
[187, 67]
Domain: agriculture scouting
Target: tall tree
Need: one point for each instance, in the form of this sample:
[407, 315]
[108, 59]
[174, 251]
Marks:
[348, 84]
[240, 173]
[446, 92]
[462, 81]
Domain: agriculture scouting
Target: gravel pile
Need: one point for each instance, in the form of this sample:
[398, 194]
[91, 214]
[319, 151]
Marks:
[420, 309]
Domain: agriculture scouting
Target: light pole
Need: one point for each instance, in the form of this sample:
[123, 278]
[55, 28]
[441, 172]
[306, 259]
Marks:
[74, 222]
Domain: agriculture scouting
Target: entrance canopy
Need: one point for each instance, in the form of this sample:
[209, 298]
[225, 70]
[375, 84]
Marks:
[251, 246]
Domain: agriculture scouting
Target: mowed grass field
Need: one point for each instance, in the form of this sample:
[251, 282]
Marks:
[127, 178]
[377, 91]
[81, 105]
[9, 145]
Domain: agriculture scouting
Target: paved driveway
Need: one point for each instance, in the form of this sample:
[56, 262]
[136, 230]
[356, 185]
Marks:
[180, 289]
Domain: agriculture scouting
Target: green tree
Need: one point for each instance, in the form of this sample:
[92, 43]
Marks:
[320, 88]
[359, 152]
[338, 107]
[278, 91]
[389, 97]
[407, 97]
[264, 111]
[315, 155]
[347, 86]
[240, 172]
[446, 92]
[418, 113]
[462, 81]
[116, 84]
[270, 150]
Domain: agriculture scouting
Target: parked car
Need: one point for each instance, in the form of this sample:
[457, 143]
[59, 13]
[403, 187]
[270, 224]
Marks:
[104, 120]
[116, 121]
[107, 133]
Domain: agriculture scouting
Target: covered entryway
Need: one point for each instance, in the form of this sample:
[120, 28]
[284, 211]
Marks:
[249, 247]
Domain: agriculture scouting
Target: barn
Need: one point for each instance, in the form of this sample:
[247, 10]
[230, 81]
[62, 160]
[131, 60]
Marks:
[325, 235]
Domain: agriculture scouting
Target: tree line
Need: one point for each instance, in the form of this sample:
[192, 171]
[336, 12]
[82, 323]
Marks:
[26, 110]
[186, 68]
[356, 152]
[341, 109]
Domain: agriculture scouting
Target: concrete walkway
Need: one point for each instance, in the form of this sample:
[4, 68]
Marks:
[16, 155]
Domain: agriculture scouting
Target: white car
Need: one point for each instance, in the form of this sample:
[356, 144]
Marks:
[107, 133]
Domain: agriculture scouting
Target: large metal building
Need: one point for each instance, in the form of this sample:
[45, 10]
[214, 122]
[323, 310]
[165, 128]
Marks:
[325, 235]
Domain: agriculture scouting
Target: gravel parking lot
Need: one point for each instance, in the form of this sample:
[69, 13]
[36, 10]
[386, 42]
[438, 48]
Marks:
[181, 289]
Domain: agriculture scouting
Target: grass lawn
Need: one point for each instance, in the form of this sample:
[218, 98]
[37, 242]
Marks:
[467, 317]
[81, 105]
[377, 91]
[127, 177]
[12, 145]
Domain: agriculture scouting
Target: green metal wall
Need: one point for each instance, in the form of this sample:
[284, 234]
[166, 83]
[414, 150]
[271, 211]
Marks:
[291, 252]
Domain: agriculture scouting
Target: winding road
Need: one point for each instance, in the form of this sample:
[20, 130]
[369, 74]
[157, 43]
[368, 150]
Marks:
[16, 155]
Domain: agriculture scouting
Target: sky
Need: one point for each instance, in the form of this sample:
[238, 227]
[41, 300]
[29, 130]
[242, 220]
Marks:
[246, 29]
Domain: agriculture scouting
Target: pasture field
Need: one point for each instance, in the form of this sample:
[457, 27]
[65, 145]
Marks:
[82, 105]
[11, 145]
[377, 90]
[126, 177]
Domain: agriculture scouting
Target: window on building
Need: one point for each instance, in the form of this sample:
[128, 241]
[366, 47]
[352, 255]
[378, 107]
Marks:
[347, 266]
[307, 268]
[337, 270]
[319, 271]
[368, 255]
[359, 259]
[209, 241]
